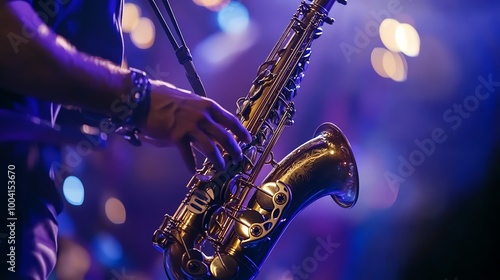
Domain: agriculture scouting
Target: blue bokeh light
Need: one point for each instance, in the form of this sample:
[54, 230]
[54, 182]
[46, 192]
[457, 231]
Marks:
[107, 249]
[73, 190]
[233, 18]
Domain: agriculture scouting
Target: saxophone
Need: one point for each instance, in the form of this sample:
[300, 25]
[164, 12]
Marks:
[227, 225]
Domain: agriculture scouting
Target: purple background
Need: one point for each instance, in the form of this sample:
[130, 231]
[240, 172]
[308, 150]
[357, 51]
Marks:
[434, 224]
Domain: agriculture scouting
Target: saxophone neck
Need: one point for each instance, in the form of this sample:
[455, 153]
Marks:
[327, 4]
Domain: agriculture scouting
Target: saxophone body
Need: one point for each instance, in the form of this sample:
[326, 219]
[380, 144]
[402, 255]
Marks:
[227, 225]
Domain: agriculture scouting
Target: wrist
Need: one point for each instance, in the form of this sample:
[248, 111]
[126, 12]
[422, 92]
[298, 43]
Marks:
[137, 99]
[140, 97]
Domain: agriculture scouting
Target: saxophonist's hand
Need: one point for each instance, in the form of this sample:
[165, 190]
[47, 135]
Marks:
[180, 119]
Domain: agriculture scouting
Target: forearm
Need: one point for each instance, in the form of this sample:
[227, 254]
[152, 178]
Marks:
[37, 62]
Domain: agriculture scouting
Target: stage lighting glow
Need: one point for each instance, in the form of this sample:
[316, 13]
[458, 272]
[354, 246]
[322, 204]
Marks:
[233, 18]
[73, 261]
[389, 64]
[377, 57]
[131, 15]
[387, 33]
[407, 39]
[220, 49]
[143, 34]
[115, 211]
[107, 249]
[214, 5]
[395, 66]
[73, 190]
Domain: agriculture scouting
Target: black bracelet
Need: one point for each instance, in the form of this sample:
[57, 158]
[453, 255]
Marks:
[139, 100]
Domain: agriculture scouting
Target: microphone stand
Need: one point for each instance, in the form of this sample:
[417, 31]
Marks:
[181, 51]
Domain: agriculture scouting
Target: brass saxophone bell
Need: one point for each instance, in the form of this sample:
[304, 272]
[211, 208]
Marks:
[348, 195]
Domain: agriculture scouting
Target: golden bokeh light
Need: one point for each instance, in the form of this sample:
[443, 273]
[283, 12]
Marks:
[389, 64]
[143, 34]
[387, 31]
[115, 211]
[407, 39]
[214, 5]
[377, 61]
[73, 261]
[395, 66]
[131, 15]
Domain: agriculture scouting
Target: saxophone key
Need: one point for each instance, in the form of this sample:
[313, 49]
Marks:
[193, 263]
[224, 267]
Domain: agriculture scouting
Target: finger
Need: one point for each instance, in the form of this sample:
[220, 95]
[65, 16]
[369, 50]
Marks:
[228, 120]
[187, 154]
[225, 139]
[209, 149]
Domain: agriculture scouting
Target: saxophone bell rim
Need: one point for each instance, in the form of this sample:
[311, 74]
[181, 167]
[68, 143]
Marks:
[351, 197]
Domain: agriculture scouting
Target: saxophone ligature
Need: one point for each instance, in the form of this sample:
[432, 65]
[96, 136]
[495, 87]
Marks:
[227, 224]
